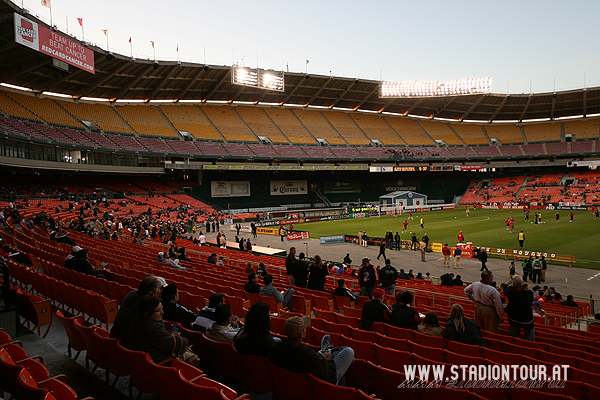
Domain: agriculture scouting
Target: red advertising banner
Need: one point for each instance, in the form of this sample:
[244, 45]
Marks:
[39, 38]
[297, 235]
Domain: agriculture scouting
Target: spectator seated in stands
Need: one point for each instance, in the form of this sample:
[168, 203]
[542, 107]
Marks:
[284, 297]
[374, 311]
[181, 254]
[431, 325]
[161, 257]
[446, 279]
[225, 326]
[251, 286]
[262, 270]
[207, 316]
[147, 332]
[212, 259]
[173, 311]
[149, 286]
[457, 281]
[83, 265]
[172, 263]
[342, 290]
[569, 302]
[403, 275]
[329, 364]
[461, 329]
[254, 338]
[403, 315]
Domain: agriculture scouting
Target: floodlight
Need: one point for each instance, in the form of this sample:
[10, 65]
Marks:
[435, 88]
[262, 79]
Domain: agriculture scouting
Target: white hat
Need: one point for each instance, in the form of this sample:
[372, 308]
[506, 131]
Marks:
[76, 249]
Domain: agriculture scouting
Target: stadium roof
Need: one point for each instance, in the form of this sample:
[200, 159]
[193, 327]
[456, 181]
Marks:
[120, 77]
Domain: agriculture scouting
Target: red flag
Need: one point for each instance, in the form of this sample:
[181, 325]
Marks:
[129, 39]
[80, 20]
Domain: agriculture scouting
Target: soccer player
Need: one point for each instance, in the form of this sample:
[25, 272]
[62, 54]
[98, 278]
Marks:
[557, 216]
[404, 226]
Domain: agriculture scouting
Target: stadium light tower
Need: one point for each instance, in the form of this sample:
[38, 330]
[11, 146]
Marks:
[258, 78]
[434, 88]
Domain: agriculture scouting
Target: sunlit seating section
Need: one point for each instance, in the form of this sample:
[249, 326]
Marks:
[146, 120]
[155, 145]
[372, 152]
[316, 123]
[536, 149]
[511, 150]
[46, 109]
[262, 150]
[441, 131]
[260, 124]
[211, 148]
[102, 115]
[189, 118]
[472, 194]
[438, 152]
[581, 147]
[229, 124]
[589, 129]
[487, 151]
[542, 132]
[410, 131]
[462, 151]
[504, 133]
[50, 132]
[557, 148]
[289, 151]
[376, 128]
[10, 107]
[290, 126]
[508, 181]
[183, 147]
[238, 149]
[575, 193]
[127, 142]
[470, 133]
[318, 152]
[102, 140]
[344, 124]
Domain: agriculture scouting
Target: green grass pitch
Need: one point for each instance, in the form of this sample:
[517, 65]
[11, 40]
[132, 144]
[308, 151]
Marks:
[580, 238]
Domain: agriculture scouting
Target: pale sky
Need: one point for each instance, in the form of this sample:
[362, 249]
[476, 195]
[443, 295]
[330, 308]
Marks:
[531, 45]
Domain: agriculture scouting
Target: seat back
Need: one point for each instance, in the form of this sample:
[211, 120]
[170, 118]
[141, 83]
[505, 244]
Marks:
[254, 372]
[221, 358]
[139, 370]
[327, 391]
[167, 381]
[94, 351]
[27, 386]
[114, 362]
[76, 340]
[289, 385]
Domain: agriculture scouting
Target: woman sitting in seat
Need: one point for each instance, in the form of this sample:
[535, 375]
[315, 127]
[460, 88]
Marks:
[431, 325]
[147, 332]
[461, 329]
[255, 338]
[173, 311]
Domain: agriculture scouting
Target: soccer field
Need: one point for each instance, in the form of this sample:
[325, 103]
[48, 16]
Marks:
[580, 238]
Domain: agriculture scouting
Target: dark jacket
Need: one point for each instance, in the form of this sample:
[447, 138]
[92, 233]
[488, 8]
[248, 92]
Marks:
[150, 336]
[471, 335]
[302, 359]
[256, 346]
[374, 311]
[252, 287]
[388, 276]
[175, 312]
[316, 280]
[127, 311]
[405, 317]
[300, 272]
